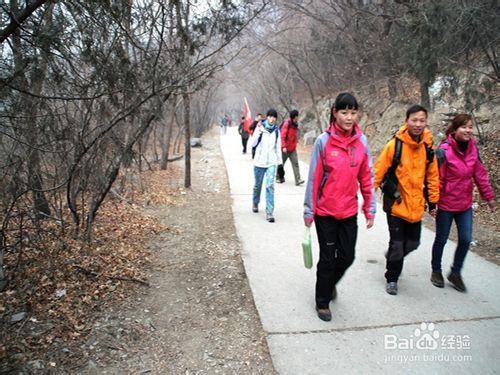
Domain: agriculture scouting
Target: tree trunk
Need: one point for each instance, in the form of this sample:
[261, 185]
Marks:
[112, 173]
[480, 136]
[30, 107]
[3, 279]
[424, 93]
[187, 139]
[155, 141]
[165, 147]
[139, 145]
[40, 203]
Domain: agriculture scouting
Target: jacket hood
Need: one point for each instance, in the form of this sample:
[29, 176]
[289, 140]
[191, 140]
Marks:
[405, 136]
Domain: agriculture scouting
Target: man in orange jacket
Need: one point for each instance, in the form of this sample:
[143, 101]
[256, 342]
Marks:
[415, 170]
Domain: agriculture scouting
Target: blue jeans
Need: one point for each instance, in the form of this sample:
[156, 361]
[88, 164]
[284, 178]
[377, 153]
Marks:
[463, 221]
[270, 175]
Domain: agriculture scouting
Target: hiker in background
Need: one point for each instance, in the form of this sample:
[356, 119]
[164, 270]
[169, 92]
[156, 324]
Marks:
[417, 167]
[266, 145]
[223, 125]
[244, 134]
[340, 162]
[289, 136]
[459, 165]
[256, 123]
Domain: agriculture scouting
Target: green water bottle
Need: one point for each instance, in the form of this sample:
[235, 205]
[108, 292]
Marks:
[306, 248]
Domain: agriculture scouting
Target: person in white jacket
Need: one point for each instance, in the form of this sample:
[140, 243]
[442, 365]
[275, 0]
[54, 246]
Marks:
[266, 151]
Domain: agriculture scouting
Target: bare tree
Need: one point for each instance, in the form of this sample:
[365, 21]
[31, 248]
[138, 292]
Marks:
[83, 84]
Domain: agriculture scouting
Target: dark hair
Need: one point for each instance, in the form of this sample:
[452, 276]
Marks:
[294, 113]
[272, 112]
[458, 121]
[414, 109]
[343, 100]
[242, 117]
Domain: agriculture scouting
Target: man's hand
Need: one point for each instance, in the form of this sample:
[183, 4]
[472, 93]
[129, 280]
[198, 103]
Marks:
[433, 212]
[284, 149]
[369, 223]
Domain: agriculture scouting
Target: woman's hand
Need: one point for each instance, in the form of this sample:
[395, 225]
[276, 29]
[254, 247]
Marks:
[308, 221]
[433, 212]
[492, 205]
[369, 223]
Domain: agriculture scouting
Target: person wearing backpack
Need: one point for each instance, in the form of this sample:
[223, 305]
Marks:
[266, 153]
[289, 130]
[417, 167]
[341, 164]
[244, 134]
[256, 123]
[459, 166]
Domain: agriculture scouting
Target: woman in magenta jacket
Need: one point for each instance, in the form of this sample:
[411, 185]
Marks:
[340, 165]
[459, 165]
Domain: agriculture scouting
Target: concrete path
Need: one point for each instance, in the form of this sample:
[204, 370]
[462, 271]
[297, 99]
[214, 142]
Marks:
[371, 331]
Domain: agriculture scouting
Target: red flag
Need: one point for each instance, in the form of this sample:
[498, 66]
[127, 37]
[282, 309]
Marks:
[248, 117]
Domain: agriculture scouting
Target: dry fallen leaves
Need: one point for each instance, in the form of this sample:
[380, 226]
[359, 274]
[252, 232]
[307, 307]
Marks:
[62, 280]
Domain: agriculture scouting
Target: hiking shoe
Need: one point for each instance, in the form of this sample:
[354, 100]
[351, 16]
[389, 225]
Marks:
[324, 314]
[334, 293]
[437, 279]
[392, 288]
[280, 180]
[270, 218]
[300, 182]
[255, 208]
[456, 280]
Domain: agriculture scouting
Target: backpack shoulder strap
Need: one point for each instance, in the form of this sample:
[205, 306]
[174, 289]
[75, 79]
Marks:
[260, 138]
[396, 159]
[398, 149]
[429, 154]
[441, 153]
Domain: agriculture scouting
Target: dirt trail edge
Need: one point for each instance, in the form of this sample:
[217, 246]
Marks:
[199, 315]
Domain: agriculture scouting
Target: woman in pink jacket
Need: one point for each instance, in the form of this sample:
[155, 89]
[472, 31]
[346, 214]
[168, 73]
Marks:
[340, 165]
[459, 165]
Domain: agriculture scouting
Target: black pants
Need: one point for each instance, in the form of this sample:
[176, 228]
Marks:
[404, 238]
[244, 142]
[337, 240]
[280, 173]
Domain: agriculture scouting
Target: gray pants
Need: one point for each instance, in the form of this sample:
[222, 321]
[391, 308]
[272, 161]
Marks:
[295, 165]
